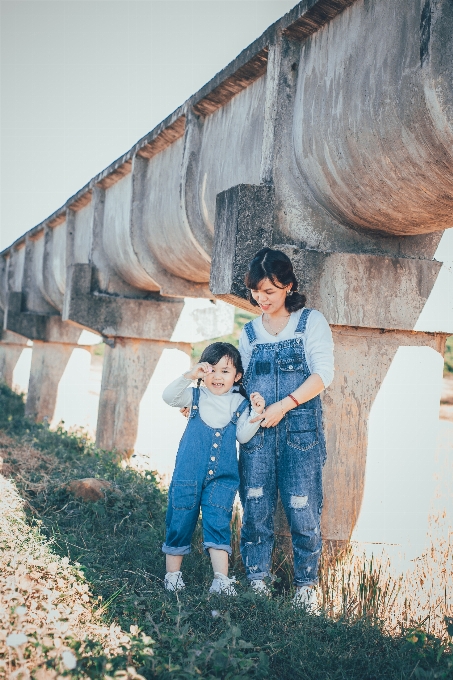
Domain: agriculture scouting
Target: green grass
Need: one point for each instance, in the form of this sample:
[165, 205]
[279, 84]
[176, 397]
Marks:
[448, 359]
[117, 542]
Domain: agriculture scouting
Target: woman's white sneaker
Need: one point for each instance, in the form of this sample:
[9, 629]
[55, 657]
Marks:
[173, 581]
[222, 585]
[306, 598]
[260, 587]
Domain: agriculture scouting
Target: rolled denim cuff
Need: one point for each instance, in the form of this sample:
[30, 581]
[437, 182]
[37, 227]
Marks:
[227, 548]
[258, 576]
[170, 550]
[299, 583]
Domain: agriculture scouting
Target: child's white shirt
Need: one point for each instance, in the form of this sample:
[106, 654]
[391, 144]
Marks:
[216, 410]
[317, 339]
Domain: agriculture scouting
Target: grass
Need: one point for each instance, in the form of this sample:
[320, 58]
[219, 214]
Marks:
[113, 547]
[448, 359]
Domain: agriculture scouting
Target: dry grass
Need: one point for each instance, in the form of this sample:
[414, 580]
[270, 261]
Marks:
[46, 608]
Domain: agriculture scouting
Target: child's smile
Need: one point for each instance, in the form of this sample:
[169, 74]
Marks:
[222, 377]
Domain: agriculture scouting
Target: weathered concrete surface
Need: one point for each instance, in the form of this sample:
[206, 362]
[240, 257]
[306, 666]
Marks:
[350, 289]
[48, 363]
[118, 316]
[128, 368]
[362, 361]
[350, 149]
[11, 348]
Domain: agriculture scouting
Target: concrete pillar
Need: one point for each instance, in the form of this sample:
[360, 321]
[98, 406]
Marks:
[49, 360]
[11, 348]
[128, 368]
[364, 360]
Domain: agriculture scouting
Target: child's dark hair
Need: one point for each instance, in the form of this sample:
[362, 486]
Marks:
[277, 267]
[213, 353]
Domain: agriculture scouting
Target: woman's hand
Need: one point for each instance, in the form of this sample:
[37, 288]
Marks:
[272, 415]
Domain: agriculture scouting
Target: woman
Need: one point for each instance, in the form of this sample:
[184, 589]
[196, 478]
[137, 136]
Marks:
[287, 354]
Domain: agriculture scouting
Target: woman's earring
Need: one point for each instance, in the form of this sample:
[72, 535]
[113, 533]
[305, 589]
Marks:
[289, 292]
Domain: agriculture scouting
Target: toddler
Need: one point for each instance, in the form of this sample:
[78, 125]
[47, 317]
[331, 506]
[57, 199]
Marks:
[206, 470]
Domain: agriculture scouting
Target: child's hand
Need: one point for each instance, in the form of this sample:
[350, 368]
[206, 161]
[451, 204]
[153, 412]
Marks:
[257, 402]
[198, 371]
[185, 411]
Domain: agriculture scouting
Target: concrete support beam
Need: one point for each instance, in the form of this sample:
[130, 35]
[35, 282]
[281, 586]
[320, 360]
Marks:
[11, 348]
[363, 358]
[49, 360]
[115, 316]
[128, 368]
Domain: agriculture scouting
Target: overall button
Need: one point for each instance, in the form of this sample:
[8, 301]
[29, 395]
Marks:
[217, 434]
[238, 414]
[212, 457]
[195, 407]
[211, 472]
[290, 366]
[215, 445]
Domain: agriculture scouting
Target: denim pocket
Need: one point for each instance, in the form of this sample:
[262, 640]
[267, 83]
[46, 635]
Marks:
[183, 495]
[301, 429]
[222, 496]
[255, 443]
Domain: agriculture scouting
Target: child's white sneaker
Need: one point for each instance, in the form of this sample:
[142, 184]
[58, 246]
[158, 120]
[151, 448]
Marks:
[260, 587]
[222, 585]
[173, 581]
[306, 598]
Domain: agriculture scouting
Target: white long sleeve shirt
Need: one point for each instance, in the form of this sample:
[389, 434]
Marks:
[215, 410]
[317, 339]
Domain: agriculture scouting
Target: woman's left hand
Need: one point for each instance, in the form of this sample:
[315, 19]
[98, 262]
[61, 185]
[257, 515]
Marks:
[272, 415]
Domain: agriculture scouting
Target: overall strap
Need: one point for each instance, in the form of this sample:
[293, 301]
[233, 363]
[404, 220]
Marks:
[239, 411]
[195, 402]
[302, 325]
[251, 335]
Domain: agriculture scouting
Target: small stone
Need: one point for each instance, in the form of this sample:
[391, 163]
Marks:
[89, 489]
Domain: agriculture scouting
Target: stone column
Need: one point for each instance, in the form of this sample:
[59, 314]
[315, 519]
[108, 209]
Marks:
[11, 348]
[49, 360]
[128, 368]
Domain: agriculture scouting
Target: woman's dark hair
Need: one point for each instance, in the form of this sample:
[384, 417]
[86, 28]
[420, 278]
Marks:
[213, 353]
[277, 267]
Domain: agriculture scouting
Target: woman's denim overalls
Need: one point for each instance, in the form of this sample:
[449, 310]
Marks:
[289, 456]
[206, 476]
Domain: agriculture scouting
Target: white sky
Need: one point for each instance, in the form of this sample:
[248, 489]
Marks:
[83, 80]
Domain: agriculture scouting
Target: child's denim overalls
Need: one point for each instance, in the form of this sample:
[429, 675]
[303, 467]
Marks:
[289, 456]
[206, 476]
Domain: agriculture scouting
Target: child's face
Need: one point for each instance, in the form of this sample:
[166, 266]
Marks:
[222, 377]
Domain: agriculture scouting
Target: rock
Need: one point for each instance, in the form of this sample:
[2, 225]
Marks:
[89, 489]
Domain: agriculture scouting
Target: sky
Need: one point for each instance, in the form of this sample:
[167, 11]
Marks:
[83, 80]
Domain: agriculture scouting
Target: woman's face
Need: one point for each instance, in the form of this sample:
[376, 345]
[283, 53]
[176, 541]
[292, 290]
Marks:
[270, 298]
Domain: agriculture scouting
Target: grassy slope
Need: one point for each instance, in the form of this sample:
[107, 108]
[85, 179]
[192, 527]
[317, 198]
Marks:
[117, 543]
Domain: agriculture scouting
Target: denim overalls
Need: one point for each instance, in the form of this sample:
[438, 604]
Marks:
[206, 476]
[289, 457]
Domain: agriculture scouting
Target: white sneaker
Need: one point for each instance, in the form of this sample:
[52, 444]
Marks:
[260, 587]
[173, 581]
[222, 585]
[306, 597]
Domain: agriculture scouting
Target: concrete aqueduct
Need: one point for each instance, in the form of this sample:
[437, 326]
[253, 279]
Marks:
[331, 137]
